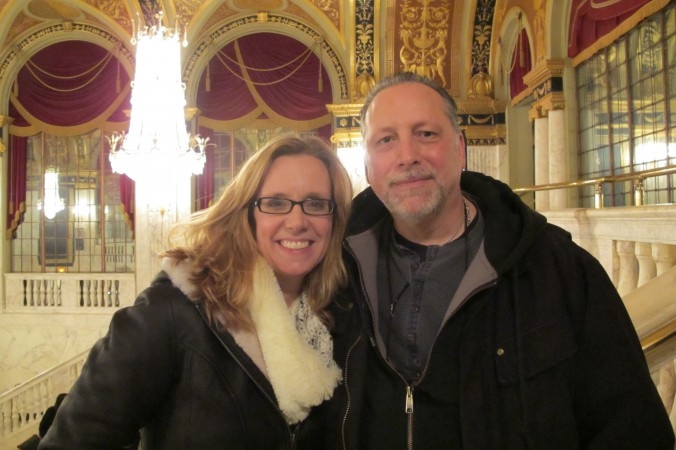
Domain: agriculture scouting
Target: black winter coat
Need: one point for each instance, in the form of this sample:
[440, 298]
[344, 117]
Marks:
[537, 352]
[161, 368]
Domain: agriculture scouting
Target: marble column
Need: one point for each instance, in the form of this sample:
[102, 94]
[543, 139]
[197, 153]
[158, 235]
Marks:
[558, 162]
[490, 160]
[541, 162]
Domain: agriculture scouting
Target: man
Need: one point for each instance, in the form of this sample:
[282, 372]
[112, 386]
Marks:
[476, 324]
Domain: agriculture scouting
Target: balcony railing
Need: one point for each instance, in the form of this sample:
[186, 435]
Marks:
[636, 177]
[66, 292]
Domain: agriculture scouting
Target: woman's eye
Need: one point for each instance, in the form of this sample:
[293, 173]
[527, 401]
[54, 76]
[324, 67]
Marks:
[274, 203]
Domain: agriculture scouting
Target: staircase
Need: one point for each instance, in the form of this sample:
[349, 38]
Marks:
[22, 407]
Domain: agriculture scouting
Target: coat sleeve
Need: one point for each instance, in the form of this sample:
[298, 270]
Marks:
[124, 379]
[617, 404]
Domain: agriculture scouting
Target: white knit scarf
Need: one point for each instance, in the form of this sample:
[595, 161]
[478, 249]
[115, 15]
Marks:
[296, 346]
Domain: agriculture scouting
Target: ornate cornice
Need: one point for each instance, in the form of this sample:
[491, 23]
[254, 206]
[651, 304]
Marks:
[545, 70]
[482, 135]
[483, 121]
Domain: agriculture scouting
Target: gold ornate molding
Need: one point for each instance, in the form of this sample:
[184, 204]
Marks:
[483, 120]
[480, 105]
[364, 49]
[481, 85]
[346, 123]
[5, 120]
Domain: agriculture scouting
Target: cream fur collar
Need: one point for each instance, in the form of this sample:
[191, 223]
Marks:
[295, 345]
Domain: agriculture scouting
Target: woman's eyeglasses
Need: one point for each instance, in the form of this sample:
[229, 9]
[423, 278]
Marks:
[310, 206]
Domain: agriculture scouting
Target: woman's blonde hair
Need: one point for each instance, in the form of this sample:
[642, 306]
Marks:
[220, 244]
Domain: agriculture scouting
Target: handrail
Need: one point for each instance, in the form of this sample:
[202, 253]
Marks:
[637, 177]
[23, 406]
[659, 336]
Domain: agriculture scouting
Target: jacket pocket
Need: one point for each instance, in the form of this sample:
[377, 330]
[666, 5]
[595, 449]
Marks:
[541, 349]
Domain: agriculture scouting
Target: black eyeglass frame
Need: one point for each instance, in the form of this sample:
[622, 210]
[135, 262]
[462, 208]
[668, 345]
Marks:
[301, 203]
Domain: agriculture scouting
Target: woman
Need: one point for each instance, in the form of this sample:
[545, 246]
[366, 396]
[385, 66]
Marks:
[229, 347]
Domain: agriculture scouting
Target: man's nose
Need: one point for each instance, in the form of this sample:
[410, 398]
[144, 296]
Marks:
[409, 152]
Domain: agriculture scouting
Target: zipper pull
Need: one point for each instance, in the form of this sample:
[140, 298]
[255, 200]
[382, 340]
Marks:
[409, 400]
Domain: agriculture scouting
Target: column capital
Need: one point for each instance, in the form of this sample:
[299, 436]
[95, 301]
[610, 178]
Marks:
[545, 84]
[346, 123]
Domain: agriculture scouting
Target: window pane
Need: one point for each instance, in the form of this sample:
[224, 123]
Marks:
[635, 79]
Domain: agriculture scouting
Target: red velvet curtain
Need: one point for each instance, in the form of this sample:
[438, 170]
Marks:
[69, 84]
[68, 88]
[521, 64]
[16, 183]
[591, 19]
[270, 76]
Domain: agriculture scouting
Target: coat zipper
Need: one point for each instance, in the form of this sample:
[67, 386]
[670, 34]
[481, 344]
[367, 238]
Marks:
[292, 430]
[347, 392]
[408, 401]
[409, 414]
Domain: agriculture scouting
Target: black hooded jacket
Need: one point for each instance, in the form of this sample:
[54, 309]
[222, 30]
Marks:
[536, 349]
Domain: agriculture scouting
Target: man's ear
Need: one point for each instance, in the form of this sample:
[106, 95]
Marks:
[462, 149]
[366, 167]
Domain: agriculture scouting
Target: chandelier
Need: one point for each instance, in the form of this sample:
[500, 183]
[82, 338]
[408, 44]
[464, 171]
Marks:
[157, 144]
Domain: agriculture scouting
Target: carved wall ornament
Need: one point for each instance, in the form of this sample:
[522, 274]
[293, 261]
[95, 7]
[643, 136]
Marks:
[481, 85]
[364, 49]
[423, 32]
[481, 36]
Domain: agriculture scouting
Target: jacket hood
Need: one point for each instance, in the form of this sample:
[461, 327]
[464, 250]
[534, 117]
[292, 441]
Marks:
[511, 226]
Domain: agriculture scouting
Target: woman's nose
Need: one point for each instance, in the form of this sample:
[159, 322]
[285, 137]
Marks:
[296, 218]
